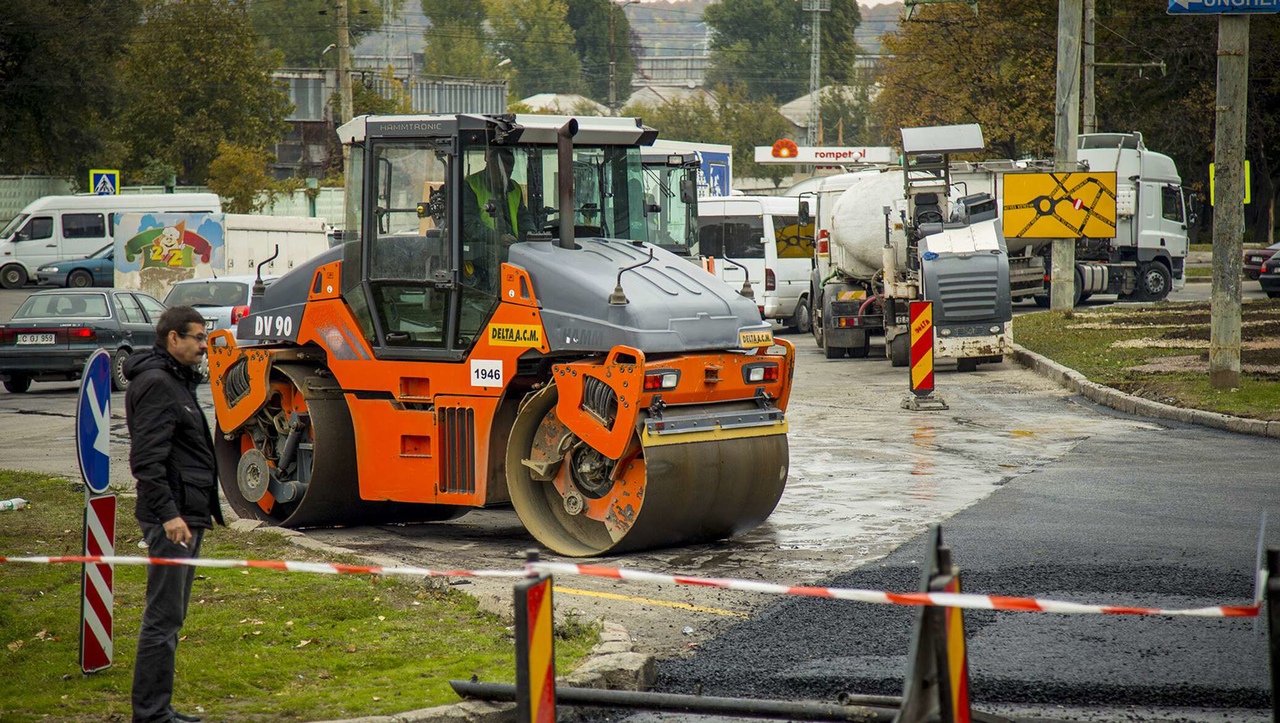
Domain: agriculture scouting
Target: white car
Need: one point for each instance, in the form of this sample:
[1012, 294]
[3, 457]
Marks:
[222, 301]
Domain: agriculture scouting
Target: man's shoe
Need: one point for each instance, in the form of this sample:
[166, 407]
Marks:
[183, 717]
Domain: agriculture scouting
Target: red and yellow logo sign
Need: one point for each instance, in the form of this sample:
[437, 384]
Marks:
[785, 148]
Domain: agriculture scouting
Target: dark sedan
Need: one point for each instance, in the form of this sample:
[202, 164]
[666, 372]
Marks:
[52, 334]
[96, 269]
[1269, 279]
[1255, 258]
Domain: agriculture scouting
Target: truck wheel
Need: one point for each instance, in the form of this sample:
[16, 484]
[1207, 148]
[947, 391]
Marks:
[1042, 300]
[863, 350]
[1154, 282]
[834, 352]
[802, 320]
[13, 276]
[900, 350]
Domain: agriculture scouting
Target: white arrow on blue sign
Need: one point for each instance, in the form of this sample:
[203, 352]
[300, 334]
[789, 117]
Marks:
[93, 422]
[1222, 7]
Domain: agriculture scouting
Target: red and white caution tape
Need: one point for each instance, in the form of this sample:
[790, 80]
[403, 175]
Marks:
[941, 599]
[324, 568]
[954, 600]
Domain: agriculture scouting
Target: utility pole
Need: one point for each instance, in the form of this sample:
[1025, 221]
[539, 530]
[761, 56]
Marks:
[1066, 128]
[1090, 122]
[1228, 212]
[817, 7]
[344, 63]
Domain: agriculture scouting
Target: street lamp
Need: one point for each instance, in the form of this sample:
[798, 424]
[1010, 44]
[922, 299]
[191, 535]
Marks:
[613, 86]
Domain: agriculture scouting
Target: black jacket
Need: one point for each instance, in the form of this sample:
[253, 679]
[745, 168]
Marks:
[171, 449]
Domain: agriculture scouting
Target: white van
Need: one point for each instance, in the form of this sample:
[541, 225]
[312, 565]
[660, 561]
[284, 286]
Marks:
[54, 228]
[760, 237]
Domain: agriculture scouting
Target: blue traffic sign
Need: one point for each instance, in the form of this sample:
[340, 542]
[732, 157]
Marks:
[1222, 7]
[93, 422]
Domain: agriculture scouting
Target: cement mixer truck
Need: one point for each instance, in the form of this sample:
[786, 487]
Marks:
[896, 235]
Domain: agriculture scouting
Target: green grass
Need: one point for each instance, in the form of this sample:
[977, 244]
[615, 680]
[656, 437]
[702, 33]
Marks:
[1093, 353]
[258, 645]
[1198, 271]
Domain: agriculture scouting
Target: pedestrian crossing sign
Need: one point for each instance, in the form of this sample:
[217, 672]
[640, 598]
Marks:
[104, 182]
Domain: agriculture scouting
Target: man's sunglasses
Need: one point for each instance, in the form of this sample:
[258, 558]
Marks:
[200, 338]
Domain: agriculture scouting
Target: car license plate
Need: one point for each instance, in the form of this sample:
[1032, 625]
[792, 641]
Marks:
[35, 338]
[208, 324]
[1256, 259]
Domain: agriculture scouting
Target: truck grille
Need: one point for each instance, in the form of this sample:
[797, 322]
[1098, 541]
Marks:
[967, 295]
[458, 449]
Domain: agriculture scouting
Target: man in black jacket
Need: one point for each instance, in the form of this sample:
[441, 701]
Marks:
[171, 455]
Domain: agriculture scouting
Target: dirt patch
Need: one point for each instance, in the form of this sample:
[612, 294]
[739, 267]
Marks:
[1249, 331]
[1264, 364]
[1197, 314]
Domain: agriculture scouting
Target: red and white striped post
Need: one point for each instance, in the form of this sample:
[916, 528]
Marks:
[97, 584]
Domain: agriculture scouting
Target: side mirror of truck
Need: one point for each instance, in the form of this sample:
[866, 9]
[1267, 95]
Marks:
[805, 217]
[688, 191]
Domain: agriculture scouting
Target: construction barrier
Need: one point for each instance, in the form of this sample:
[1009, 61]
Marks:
[920, 322]
[535, 650]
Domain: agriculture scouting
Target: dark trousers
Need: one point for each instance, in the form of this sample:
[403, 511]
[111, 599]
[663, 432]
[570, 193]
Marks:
[168, 593]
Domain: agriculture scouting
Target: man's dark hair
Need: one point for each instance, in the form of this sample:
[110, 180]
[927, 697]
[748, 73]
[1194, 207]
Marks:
[175, 318]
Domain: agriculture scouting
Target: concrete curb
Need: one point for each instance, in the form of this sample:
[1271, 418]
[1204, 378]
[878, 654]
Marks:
[612, 664]
[1130, 404]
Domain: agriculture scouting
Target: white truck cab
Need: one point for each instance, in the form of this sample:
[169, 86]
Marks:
[54, 228]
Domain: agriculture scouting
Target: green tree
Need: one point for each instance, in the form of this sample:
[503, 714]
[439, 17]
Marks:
[736, 119]
[535, 36]
[603, 36]
[239, 176]
[765, 45]
[844, 110]
[948, 65]
[58, 84]
[195, 77]
[302, 29]
[457, 44]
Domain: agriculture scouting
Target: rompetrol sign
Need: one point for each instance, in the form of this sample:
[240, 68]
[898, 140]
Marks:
[829, 155]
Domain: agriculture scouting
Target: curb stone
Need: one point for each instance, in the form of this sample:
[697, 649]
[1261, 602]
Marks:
[612, 664]
[1130, 404]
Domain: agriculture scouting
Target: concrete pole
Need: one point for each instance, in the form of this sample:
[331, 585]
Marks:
[344, 63]
[1089, 123]
[1066, 128]
[613, 93]
[1228, 207]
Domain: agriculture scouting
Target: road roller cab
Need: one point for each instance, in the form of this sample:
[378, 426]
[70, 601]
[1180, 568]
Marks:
[494, 328]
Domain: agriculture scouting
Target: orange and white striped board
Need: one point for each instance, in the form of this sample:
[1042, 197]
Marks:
[97, 581]
[535, 652]
[957, 658]
[921, 348]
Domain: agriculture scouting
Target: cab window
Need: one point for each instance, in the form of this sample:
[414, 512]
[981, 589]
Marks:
[40, 227]
[1171, 203]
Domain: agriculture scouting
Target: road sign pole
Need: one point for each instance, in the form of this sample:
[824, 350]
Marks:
[1067, 127]
[1228, 212]
[93, 451]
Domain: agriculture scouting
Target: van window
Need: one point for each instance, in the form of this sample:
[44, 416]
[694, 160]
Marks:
[40, 227]
[742, 236]
[83, 225]
[710, 236]
[14, 225]
[793, 240]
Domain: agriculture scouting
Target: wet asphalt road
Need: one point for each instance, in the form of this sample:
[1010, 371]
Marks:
[1130, 520]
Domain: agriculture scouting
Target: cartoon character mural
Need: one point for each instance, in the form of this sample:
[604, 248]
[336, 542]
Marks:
[168, 246]
[156, 250]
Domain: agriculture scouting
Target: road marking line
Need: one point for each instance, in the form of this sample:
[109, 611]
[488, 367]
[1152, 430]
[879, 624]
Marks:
[649, 601]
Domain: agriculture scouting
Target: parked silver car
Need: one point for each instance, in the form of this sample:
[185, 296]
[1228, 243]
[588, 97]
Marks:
[222, 301]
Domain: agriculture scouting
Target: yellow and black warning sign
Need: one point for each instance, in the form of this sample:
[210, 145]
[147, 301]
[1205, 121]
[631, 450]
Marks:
[754, 339]
[515, 335]
[1059, 205]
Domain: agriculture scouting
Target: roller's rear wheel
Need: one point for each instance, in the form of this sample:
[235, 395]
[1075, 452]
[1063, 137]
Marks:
[579, 503]
[325, 485]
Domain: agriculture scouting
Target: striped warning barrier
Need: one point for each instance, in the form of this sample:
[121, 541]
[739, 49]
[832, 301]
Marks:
[535, 652]
[921, 320]
[939, 599]
[323, 568]
[97, 585]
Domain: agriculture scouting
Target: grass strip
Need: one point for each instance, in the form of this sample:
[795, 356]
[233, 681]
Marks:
[258, 645]
[1161, 353]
